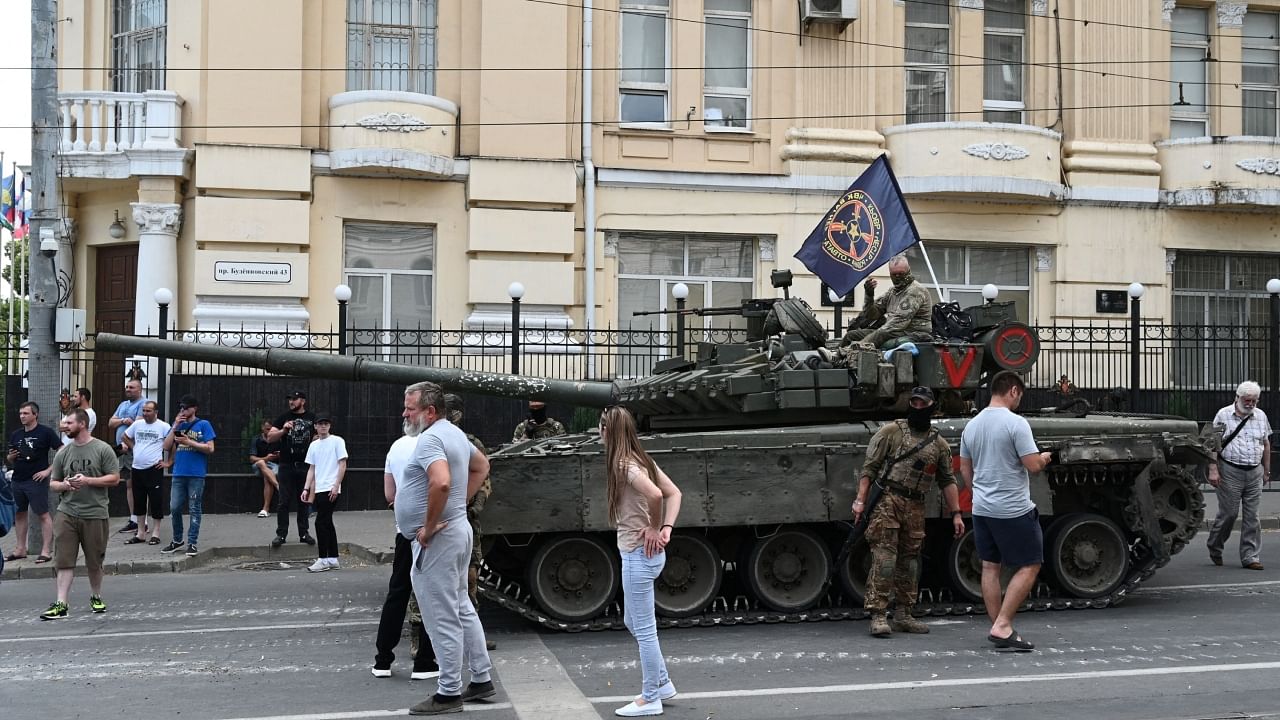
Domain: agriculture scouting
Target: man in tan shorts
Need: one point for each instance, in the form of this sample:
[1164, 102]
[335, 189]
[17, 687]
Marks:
[82, 472]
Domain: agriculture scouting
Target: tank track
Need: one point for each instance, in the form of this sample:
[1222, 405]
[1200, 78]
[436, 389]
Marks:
[739, 610]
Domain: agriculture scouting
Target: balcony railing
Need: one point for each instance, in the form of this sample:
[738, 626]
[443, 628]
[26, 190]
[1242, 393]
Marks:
[115, 122]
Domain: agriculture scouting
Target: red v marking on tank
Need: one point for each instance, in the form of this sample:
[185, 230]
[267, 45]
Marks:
[956, 375]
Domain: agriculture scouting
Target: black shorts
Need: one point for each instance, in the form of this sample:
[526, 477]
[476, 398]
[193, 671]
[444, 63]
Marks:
[147, 495]
[31, 495]
[1013, 542]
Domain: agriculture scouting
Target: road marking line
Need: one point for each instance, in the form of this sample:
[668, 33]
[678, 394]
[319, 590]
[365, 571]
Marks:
[352, 715]
[957, 682]
[1214, 586]
[192, 631]
[538, 686]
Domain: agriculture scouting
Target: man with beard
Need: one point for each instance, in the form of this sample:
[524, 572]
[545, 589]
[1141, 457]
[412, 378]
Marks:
[903, 458]
[431, 508]
[1241, 466]
[902, 313]
[294, 431]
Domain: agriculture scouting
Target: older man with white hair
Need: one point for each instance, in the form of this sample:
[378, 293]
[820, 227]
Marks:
[1240, 467]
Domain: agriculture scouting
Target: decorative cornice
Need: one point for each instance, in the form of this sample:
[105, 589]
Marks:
[1166, 10]
[1044, 259]
[768, 249]
[158, 217]
[393, 122]
[1260, 165]
[996, 151]
[1170, 256]
[1231, 14]
[1039, 7]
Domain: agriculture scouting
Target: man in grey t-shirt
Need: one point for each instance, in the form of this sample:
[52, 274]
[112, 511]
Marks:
[431, 509]
[997, 451]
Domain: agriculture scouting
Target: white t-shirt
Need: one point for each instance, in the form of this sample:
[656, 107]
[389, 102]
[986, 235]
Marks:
[323, 456]
[93, 423]
[148, 442]
[398, 457]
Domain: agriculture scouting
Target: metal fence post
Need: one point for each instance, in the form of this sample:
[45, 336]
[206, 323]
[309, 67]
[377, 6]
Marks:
[1273, 287]
[342, 293]
[680, 291]
[1136, 291]
[163, 296]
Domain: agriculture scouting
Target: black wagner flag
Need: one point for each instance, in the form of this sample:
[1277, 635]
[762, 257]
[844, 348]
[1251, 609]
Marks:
[866, 227]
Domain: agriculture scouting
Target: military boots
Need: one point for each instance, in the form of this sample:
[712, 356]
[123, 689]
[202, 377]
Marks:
[880, 625]
[903, 621]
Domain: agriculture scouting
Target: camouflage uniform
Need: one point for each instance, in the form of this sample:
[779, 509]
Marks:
[898, 313]
[896, 530]
[474, 508]
[529, 430]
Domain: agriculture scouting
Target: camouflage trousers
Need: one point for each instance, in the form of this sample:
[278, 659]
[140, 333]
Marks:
[473, 573]
[895, 534]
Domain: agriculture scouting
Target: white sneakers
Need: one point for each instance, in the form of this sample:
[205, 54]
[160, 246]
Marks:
[381, 672]
[424, 674]
[323, 565]
[633, 710]
[666, 692]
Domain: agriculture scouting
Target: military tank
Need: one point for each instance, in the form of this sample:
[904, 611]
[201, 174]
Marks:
[766, 440]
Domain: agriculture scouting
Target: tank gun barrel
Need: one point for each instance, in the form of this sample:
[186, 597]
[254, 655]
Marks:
[303, 363]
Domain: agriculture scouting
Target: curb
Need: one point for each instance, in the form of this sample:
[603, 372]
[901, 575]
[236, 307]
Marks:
[1267, 523]
[180, 563]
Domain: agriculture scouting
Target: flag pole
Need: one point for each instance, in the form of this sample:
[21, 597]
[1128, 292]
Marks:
[924, 252]
[8, 338]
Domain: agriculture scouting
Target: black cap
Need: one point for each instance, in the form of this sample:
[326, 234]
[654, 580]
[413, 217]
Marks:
[187, 401]
[324, 417]
[922, 392]
[296, 394]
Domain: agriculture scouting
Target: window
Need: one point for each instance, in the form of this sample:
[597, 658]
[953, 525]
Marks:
[726, 92]
[962, 271]
[717, 269]
[643, 80]
[389, 269]
[1004, 46]
[391, 45]
[1189, 116]
[138, 46]
[928, 48]
[1261, 73]
[1221, 314]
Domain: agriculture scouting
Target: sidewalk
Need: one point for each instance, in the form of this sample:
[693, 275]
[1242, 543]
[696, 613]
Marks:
[363, 536]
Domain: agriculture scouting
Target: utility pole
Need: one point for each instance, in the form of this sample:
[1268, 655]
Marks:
[42, 351]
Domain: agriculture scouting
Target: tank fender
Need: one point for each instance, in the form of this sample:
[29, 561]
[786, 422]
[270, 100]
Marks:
[1147, 511]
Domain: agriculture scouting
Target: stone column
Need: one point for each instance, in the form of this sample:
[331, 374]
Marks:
[158, 226]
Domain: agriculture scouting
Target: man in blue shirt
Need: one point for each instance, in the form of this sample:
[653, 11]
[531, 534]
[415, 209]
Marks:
[126, 412]
[191, 443]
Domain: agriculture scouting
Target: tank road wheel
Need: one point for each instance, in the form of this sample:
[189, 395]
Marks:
[788, 571]
[1087, 555]
[853, 573]
[1179, 505]
[691, 578]
[964, 568]
[573, 577]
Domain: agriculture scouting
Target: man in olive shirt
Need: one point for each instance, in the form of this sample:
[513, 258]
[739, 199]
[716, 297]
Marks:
[82, 471]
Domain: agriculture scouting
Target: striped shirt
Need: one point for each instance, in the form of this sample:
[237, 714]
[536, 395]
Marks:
[1247, 447]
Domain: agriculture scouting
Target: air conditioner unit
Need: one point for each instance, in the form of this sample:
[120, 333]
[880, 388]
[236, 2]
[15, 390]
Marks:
[841, 11]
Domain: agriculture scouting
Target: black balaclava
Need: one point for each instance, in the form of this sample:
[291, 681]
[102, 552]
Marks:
[538, 415]
[918, 418]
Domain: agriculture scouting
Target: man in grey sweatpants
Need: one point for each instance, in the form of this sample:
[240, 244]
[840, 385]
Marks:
[431, 509]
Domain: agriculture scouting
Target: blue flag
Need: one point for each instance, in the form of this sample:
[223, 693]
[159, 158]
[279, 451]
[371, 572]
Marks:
[866, 227]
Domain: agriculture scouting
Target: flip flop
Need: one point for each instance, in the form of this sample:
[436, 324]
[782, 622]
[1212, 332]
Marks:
[154, 541]
[135, 540]
[14, 556]
[1013, 642]
[43, 559]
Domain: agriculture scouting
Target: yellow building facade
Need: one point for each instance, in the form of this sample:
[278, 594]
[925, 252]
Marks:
[429, 153]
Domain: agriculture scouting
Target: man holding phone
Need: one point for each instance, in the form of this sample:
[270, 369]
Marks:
[191, 444]
[29, 448]
[82, 471]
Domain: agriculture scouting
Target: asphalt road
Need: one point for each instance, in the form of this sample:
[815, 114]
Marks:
[1197, 642]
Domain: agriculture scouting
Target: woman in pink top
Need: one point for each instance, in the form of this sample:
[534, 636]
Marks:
[643, 505]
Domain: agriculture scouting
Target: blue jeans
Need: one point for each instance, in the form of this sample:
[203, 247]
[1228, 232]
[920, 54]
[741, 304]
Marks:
[191, 491]
[638, 574]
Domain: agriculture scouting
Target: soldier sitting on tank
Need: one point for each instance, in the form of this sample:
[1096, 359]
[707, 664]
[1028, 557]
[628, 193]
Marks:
[904, 457]
[902, 314]
[538, 425]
